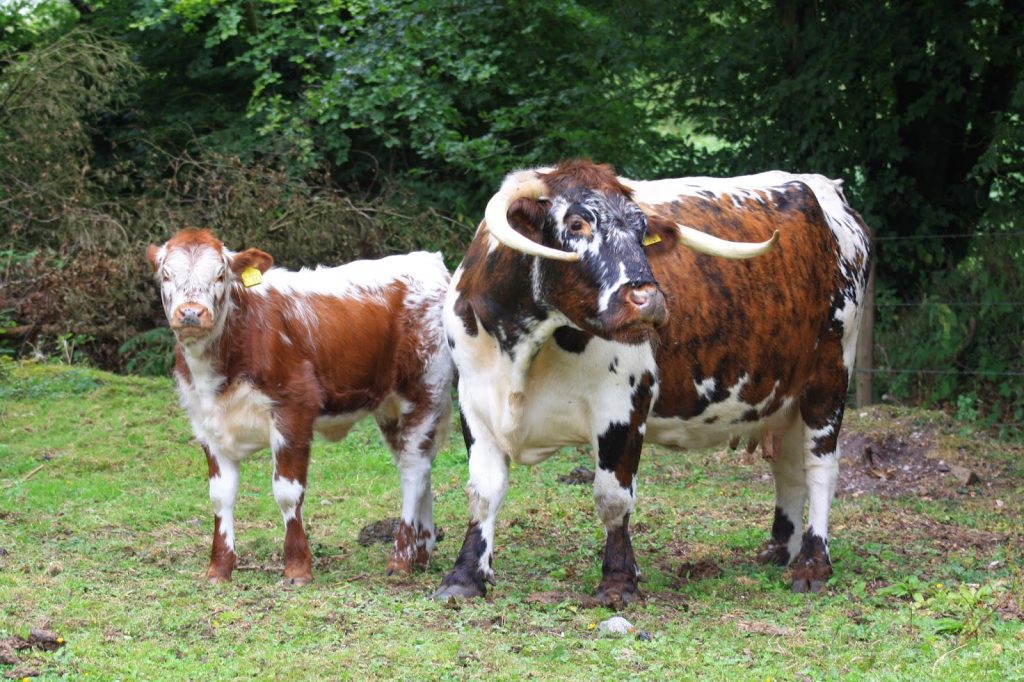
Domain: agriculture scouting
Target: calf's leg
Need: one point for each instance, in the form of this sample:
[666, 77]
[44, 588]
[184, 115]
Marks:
[413, 439]
[291, 464]
[224, 477]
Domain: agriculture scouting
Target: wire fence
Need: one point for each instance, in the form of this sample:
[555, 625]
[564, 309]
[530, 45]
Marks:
[865, 368]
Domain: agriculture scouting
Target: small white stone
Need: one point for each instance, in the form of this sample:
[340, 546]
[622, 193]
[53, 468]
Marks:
[616, 625]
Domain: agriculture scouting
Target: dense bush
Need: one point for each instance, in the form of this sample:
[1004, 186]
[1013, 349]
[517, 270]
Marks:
[75, 282]
[331, 130]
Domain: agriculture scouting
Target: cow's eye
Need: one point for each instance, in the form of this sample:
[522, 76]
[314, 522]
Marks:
[220, 277]
[166, 275]
[578, 225]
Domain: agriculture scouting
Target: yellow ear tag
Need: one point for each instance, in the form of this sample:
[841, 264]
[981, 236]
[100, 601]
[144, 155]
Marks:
[651, 239]
[251, 277]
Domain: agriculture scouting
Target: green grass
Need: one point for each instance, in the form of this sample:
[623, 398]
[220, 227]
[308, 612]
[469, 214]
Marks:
[105, 528]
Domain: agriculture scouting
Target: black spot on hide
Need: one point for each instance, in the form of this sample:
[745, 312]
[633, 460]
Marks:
[572, 340]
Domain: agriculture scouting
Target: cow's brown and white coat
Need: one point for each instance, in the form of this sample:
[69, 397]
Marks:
[268, 361]
[599, 327]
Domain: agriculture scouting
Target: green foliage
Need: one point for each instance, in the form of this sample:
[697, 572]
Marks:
[916, 105]
[149, 353]
[963, 610]
[324, 131]
[49, 98]
[454, 93]
[970, 322]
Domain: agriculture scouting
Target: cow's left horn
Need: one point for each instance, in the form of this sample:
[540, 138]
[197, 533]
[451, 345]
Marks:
[705, 243]
[496, 214]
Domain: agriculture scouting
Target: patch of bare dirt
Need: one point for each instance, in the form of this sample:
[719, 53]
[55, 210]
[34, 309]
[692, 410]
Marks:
[581, 475]
[12, 648]
[908, 462]
[383, 532]
[696, 570]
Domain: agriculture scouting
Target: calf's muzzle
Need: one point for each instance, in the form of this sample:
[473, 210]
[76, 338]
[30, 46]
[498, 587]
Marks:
[191, 319]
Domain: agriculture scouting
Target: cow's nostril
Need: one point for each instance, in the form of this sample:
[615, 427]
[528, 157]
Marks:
[640, 297]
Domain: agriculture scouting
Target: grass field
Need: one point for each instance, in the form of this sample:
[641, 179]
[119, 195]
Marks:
[105, 527]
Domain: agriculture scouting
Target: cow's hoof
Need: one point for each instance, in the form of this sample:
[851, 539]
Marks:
[802, 585]
[298, 581]
[218, 579]
[619, 596]
[457, 590]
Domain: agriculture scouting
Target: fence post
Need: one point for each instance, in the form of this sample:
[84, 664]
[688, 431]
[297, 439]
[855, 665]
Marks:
[866, 344]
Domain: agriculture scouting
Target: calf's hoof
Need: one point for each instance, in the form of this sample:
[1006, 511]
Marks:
[773, 553]
[215, 575]
[401, 567]
[297, 576]
[297, 581]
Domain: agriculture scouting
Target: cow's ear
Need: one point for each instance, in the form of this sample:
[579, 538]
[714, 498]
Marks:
[152, 252]
[251, 258]
[662, 234]
[527, 216]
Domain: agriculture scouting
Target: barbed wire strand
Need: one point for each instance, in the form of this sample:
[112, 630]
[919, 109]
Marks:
[951, 304]
[965, 235]
[885, 370]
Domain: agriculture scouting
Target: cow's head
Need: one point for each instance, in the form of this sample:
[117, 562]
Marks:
[195, 273]
[582, 222]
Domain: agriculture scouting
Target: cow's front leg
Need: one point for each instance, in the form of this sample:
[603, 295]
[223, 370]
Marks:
[291, 463]
[488, 484]
[618, 457]
[224, 477]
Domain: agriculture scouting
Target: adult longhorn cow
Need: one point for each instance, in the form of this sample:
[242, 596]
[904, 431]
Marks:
[576, 317]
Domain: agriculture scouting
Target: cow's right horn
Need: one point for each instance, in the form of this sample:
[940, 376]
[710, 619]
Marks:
[496, 215]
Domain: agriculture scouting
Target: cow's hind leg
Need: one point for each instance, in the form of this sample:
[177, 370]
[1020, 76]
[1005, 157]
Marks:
[224, 476]
[487, 487]
[821, 409]
[790, 495]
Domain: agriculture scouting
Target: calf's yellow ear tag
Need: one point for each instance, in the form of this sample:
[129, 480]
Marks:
[651, 239]
[251, 277]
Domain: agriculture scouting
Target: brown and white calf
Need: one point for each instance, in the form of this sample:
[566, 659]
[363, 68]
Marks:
[266, 357]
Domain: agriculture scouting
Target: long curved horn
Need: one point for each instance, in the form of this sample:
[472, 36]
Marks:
[496, 215]
[705, 243]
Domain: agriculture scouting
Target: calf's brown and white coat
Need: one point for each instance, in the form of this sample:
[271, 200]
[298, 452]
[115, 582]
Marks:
[266, 357]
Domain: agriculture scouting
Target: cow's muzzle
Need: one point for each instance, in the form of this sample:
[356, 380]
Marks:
[191, 320]
[647, 304]
[633, 313]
